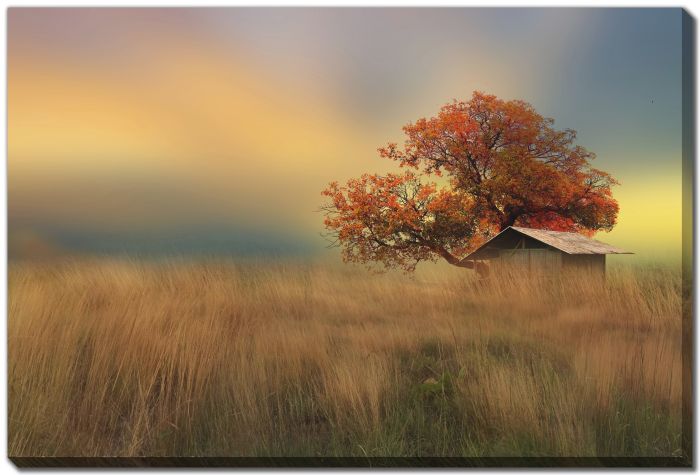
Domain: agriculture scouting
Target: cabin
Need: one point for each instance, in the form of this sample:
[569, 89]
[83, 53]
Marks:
[539, 252]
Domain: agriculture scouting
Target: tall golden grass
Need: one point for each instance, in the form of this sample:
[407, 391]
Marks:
[127, 358]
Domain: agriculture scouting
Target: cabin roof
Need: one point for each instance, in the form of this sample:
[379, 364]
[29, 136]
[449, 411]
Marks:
[569, 243]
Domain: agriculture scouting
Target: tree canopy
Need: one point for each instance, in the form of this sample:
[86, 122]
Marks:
[500, 163]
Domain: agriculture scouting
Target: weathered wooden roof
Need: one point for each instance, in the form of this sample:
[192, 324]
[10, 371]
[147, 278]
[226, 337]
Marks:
[570, 243]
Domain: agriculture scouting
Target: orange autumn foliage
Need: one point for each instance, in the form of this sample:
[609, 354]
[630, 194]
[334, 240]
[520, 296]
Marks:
[506, 165]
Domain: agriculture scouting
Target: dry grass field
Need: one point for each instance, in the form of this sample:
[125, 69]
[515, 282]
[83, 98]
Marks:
[119, 357]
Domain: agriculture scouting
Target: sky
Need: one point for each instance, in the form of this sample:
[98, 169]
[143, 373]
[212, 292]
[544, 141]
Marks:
[214, 130]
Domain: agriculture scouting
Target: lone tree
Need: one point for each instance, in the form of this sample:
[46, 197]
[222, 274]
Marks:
[500, 163]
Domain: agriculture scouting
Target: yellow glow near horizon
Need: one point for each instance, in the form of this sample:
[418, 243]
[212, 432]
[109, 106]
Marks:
[650, 220]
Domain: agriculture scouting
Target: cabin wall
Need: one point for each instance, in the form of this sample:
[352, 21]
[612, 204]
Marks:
[532, 262]
[508, 241]
[514, 240]
[584, 263]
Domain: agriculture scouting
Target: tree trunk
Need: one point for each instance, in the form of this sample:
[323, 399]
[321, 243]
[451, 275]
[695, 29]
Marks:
[510, 216]
[454, 260]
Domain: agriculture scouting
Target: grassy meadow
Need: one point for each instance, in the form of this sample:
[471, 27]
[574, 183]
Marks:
[224, 358]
